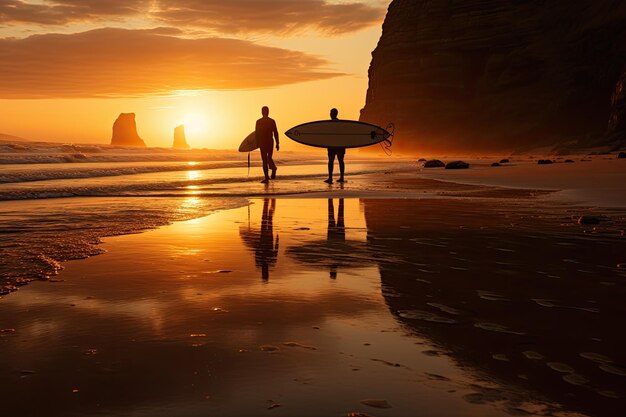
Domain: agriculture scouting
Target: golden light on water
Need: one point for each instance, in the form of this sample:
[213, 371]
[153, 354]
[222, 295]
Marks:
[193, 175]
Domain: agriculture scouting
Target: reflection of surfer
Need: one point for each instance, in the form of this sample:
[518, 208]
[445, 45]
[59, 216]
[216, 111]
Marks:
[335, 152]
[266, 252]
[266, 131]
[262, 241]
[336, 230]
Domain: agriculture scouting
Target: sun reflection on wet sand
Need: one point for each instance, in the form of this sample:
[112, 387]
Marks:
[285, 299]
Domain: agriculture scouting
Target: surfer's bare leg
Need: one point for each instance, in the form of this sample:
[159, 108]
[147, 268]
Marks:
[331, 163]
[265, 156]
[272, 165]
[342, 166]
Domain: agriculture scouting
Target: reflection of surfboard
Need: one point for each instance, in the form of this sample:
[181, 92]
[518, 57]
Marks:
[249, 143]
[338, 133]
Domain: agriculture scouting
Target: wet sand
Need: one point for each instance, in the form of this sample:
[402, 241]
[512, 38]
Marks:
[455, 300]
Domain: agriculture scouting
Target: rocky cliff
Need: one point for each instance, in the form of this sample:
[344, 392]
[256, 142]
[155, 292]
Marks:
[125, 131]
[499, 74]
[180, 141]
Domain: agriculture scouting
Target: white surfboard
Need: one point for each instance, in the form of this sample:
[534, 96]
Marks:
[249, 143]
[338, 133]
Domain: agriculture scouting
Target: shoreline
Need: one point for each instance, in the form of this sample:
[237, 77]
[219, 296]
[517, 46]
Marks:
[476, 183]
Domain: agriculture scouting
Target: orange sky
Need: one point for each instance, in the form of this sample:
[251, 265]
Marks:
[74, 65]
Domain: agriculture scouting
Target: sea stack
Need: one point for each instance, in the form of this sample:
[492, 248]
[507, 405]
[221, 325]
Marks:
[180, 141]
[500, 75]
[125, 131]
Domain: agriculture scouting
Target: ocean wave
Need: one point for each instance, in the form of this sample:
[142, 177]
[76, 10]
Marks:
[22, 175]
[36, 237]
[237, 186]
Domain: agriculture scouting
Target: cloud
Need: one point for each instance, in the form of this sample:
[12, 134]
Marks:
[57, 12]
[219, 16]
[127, 63]
[269, 16]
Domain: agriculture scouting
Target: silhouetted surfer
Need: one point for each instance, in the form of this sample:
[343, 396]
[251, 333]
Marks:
[335, 152]
[266, 132]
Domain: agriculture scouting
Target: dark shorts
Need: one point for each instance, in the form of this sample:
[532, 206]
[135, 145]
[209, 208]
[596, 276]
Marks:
[336, 151]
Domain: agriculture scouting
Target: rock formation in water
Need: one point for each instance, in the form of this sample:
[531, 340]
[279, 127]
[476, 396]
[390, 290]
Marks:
[125, 131]
[180, 141]
[497, 74]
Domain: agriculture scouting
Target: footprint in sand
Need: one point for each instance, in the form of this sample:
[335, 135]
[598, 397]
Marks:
[612, 369]
[560, 367]
[609, 394]
[491, 296]
[500, 357]
[376, 403]
[436, 377]
[596, 357]
[300, 345]
[575, 379]
[425, 316]
[269, 348]
[493, 327]
[446, 309]
[392, 364]
[531, 354]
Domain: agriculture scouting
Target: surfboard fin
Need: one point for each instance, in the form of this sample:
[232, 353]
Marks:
[387, 143]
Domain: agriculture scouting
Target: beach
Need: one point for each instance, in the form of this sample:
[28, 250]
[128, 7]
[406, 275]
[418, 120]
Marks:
[405, 291]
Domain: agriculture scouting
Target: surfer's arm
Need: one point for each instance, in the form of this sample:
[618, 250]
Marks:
[276, 136]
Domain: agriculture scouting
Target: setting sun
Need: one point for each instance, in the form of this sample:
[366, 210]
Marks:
[196, 126]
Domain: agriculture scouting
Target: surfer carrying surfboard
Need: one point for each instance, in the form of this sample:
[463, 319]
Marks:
[333, 152]
[266, 131]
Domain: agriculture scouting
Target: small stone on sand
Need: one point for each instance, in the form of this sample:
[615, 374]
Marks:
[434, 163]
[457, 165]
